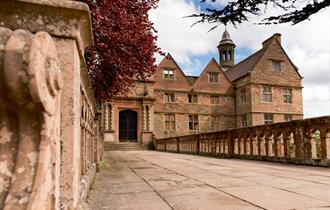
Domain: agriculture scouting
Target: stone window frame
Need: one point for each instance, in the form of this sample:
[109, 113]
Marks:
[215, 122]
[169, 97]
[268, 118]
[243, 95]
[267, 94]
[169, 122]
[167, 74]
[287, 95]
[244, 120]
[276, 66]
[288, 117]
[193, 122]
[213, 77]
[192, 98]
[214, 99]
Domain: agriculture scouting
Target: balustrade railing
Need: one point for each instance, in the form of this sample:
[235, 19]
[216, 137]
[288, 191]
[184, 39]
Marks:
[301, 142]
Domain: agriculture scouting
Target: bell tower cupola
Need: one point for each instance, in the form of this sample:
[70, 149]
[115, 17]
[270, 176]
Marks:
[226, 49]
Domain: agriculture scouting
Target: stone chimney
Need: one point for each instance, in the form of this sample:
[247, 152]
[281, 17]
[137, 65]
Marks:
[267, 42]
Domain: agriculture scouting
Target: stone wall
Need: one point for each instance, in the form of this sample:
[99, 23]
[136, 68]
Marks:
[49, 127]
[181, 87]
[263, 74]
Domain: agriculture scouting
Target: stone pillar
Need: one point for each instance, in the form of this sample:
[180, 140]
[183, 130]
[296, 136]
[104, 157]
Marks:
[290, 146]
[312, 142]
[254, 145]
[227, 146]
[242, 150]
[270, 145]
[106, 116]
[147, 122]
[279, 145]
[262, 145]
[248, 145]
[236, 146]
[325, 143]
[144, 113]
[111, 117]
[70, 125]
[146, 117]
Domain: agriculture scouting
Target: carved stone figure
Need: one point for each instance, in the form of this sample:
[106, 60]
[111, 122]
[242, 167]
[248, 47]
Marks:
[31, 81]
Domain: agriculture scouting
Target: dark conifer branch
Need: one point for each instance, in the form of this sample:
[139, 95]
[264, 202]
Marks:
[238, 11]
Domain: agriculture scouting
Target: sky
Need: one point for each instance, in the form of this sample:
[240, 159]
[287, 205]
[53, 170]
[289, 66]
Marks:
[306, 43]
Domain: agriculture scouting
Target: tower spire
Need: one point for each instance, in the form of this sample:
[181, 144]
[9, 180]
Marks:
[226, 49]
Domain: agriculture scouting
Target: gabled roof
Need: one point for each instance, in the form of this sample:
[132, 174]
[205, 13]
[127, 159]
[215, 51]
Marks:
[294, 66]
[212, 66]
[245, 66]
[169, 57]
[207, 66]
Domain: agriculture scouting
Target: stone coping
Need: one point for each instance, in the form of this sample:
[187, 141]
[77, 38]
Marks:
[61, 19]
[309, 121]
[65, 19]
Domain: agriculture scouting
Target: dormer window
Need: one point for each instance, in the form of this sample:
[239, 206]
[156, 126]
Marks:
[276, 66]
[168, 74]
[213, 77]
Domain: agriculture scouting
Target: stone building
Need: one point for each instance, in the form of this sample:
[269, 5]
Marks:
[263, 88]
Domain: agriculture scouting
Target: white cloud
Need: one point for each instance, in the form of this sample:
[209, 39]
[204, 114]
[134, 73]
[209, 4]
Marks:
[316, 101]
[175, 33]
[306, 43]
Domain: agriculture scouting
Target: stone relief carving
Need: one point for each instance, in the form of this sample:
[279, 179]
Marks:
[106, 116]
[146, 117]
[30, 83]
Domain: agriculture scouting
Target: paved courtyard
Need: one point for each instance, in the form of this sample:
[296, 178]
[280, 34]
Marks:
[148, 180]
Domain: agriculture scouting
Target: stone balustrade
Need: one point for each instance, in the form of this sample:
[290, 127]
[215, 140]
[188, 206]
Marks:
[50, 144]
[300, 142]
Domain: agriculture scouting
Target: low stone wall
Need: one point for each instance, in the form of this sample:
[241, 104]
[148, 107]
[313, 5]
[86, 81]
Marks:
[50, 138]
[300, 142]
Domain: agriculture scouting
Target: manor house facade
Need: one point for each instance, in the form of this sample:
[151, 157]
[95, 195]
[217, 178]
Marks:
[262, 89]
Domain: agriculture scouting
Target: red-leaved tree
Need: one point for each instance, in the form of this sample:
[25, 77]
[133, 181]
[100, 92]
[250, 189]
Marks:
[124, 45]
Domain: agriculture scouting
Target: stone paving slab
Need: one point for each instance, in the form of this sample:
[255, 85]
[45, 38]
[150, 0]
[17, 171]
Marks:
[150, 180]
[272, 198]
[203, 198]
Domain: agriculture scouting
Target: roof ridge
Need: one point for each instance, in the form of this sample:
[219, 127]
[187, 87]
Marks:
[249, 63]
[247, 58]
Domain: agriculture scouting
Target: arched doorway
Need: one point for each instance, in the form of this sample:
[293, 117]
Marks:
[127, 126]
